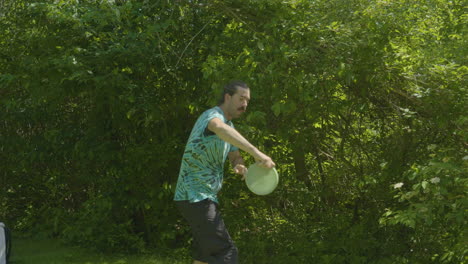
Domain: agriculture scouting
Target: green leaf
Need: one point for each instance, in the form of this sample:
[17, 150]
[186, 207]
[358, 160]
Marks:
[276, 108]
[424, 184]
[260, 45]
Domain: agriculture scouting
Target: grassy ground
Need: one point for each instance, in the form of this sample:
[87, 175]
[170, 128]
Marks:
[47, 251]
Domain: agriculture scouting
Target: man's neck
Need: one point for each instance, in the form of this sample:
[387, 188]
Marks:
[223, 108]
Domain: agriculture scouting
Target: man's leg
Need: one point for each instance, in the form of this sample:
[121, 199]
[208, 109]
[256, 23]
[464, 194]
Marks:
[212, 242]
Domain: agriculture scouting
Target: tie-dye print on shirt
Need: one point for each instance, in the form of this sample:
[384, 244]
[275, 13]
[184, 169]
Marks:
[201, 171]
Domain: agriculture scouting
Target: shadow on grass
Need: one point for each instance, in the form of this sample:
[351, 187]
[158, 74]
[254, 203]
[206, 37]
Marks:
[49, 251]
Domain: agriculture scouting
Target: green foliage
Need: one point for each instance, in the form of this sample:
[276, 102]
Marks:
[89, 118]
[348, 97]
[434, 206]
[50, 251]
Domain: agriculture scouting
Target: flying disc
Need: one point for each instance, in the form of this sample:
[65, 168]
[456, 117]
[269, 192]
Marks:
[261, 181]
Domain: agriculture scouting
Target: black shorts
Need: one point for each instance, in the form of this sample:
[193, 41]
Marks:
[212, 242]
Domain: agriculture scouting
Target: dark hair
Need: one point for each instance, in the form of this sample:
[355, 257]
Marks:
[231, 89]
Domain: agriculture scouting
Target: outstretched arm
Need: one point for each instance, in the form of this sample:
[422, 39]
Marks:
[231, 136]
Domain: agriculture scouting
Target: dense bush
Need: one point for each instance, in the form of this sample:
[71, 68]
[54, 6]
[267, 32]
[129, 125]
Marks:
[360, 103]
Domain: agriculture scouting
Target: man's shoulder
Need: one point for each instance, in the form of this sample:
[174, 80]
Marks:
[212, 112]
[204, 118]
[214, 109]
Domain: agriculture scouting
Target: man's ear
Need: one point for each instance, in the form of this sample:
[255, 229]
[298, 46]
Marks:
[227, 97]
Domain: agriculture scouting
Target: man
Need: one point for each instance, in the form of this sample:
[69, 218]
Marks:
[212, 140]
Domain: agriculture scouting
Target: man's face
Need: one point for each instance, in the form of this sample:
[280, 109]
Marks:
[237, 103]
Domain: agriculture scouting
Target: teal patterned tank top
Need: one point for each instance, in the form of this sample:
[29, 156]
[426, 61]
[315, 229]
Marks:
[201, 171]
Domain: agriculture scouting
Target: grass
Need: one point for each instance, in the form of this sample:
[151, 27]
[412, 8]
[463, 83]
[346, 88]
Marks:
[49, 251]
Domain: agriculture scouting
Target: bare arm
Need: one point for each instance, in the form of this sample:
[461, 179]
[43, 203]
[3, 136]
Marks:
[231, 136]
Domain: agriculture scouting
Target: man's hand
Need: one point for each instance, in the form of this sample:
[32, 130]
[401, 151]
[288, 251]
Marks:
[264, 161]
[240, 169]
